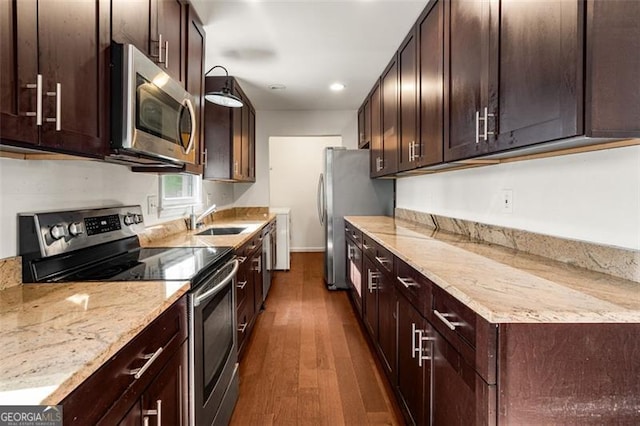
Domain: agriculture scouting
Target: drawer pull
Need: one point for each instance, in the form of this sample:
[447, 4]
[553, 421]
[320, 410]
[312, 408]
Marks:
[241, 285]
[382, 260]
[242, 327]
[366, 247]
[156, 412]
[420, 349]
[407, 282]
[241, 259]
[373, 276]
[442, 317]
[138, 372]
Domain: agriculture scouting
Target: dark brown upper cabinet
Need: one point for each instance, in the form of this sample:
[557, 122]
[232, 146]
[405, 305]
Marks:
[156, 27]
[229, 135]
[195, 48]
[466, 70]
[364, 125]
[388, 163]
[54, 81]
[542, 78]
[430, 29]
[376, 153]
[408, 93]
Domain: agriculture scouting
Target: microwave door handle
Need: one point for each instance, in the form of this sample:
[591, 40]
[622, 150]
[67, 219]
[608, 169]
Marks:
[192, 115]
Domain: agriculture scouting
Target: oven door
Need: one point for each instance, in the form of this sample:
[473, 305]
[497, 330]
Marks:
[213, 355]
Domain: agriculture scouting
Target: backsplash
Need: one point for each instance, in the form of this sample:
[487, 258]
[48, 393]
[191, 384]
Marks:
[619, 262]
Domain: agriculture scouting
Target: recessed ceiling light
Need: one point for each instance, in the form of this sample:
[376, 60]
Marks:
[277, 86]
[336, 87]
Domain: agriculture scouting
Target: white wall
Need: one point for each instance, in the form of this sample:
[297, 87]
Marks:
[35, 185]
[291, 123]
[590, 196]
[294, 184]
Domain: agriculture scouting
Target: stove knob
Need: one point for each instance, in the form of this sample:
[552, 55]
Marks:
[137, 218]
[58, 231]
[75, 229]
[128, 219]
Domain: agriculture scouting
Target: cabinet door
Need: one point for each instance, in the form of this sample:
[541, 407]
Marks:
[537, 72]
[133, 417]
[367, 124]
[195, 75]
[252, 146]
[376, 131]
[459, 395]
[237, 142]
[244, 135]
[387, 323]
[466, 71]
[408, 73]
[370, 299]
[354, 273]
[165, 400]
[414, 374]
[170, 28]
[431, 35]
[256, 265]
[73, 42]
[130, 23]
[390, 119]
[361, 139]
[18, 68]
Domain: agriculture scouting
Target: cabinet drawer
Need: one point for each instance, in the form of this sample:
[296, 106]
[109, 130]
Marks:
[353, 233]
[451, 316]
[415, 287]
[242, 281]
[381, 256]
[106, 396]
[250, 246]
[245, 323]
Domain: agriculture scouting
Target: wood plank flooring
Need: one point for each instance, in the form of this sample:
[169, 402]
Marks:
[308, 362]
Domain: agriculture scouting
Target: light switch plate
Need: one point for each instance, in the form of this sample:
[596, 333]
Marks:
[152, 204]
[507, 201]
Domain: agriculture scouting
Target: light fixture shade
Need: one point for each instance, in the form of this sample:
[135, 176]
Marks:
[224, 97]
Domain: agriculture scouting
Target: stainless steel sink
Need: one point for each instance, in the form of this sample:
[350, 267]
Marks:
[230, 230]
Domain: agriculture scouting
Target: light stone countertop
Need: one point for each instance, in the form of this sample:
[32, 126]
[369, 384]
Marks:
[54, 336]
[504, 285]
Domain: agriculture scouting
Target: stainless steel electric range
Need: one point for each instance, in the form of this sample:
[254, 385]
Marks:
[102, 245]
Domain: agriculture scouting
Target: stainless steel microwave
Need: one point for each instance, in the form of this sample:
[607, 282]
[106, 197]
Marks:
[153, 121]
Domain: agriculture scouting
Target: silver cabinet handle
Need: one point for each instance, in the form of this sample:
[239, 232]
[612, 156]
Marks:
[382, 260]
[38, 112]
[366, 247]
[241, 285]
[407, 282]
[242, 327]
[160, 60]
[138, 372]
[166, 54]
[350, 251]
[477, 126]
[486, 124]
[422, 338]
[204, 157]
[57, 95]
[241, 259]
[371, 275]
[157, 412]
[414, 349]
[442, 317]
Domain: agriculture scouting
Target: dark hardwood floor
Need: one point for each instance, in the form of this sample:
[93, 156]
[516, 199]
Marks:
[308, 362]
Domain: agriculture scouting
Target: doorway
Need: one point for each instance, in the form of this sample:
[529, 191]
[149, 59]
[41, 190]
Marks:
[295, 164]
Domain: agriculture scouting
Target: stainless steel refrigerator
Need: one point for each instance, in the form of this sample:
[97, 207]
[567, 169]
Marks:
[345, 189]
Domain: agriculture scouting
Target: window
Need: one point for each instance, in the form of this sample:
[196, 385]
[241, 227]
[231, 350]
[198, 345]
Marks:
[178, 193]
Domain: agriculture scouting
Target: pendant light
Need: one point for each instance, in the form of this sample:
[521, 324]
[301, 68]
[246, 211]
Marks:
[224, 98]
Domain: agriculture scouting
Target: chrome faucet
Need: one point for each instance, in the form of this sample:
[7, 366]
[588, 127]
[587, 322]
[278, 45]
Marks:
[195, 222]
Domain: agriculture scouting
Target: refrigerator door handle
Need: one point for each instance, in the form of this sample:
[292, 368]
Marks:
[320, 200]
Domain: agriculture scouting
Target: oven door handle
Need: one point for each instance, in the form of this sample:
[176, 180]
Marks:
[200, 298]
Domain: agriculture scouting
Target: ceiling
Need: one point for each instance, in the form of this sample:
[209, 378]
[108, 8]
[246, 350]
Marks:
[305, 45]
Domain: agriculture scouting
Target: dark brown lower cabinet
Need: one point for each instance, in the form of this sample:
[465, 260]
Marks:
[370, 298]
[387, 323]
[460, 397]
[249, 293]
[414, 363]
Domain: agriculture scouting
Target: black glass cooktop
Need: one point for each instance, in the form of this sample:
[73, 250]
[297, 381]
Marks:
[153, 264]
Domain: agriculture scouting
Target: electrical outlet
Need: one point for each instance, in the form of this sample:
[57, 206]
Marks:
[507, 201]
[152, 204]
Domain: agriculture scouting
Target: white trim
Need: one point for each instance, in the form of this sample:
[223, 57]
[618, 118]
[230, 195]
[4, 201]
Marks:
[307, 249]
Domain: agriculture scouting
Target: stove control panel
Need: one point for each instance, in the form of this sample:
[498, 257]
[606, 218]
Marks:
[59, 232]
